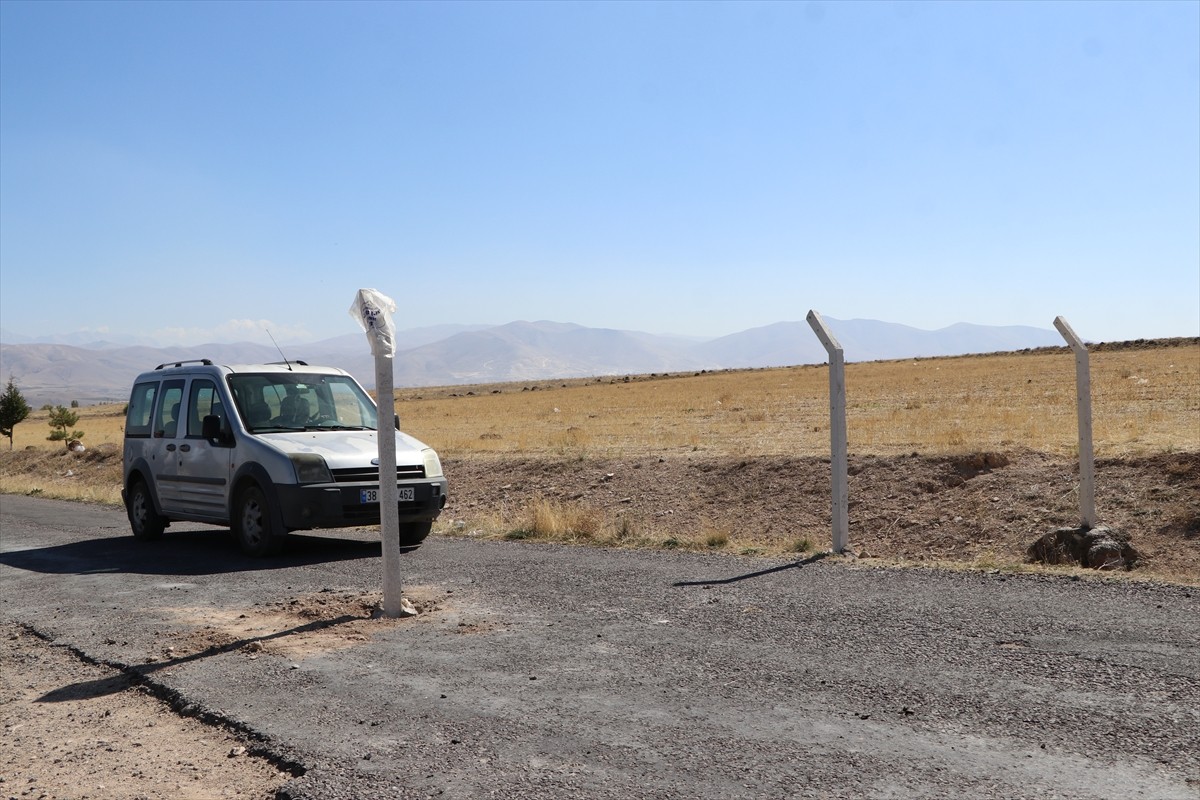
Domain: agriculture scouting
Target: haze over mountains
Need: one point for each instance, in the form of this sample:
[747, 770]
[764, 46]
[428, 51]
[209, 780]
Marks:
[92, 372]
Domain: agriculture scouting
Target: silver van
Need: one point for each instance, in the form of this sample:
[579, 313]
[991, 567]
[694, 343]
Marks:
[266, 449]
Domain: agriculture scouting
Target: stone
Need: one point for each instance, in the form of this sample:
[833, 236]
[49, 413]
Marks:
[1100, 548]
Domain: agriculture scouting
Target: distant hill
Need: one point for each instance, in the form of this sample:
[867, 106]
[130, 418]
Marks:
[787, 343]
[517, 351]
[539, 350]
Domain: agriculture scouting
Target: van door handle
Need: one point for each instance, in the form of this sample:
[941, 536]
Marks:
[185, 448]
[170, 448]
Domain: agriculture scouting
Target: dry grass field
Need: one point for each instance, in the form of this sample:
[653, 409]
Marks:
[1144, 401]
[953, 460]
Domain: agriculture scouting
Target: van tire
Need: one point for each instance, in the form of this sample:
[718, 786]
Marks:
[413, 533]
[144, 519]
[254, 523]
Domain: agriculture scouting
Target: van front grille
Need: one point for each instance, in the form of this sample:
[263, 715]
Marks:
[371, 474]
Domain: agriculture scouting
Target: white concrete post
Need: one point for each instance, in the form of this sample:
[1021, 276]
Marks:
[374, 313]
[1083, 410]
[837, 432]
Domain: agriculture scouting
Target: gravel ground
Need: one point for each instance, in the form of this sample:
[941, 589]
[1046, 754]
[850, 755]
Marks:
[546, 671]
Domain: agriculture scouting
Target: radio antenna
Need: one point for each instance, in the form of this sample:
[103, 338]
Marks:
[280, 349]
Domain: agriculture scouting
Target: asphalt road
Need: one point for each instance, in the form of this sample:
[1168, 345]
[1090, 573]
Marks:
[558, 672]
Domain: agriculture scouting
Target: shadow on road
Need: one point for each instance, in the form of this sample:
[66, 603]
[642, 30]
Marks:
[140, 674]
[760, 573]
[182, 553]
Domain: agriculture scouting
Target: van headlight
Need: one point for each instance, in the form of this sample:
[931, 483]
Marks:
[311, 468]
[433, 464]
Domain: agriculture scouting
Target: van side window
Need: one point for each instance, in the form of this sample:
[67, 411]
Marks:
[141, 406]
[166, 422]
[202, 401]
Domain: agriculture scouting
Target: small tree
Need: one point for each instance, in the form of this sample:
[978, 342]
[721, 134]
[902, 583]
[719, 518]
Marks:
[62, 418]
[13, 409]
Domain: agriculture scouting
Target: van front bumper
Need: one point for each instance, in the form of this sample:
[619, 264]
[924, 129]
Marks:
[329, 505]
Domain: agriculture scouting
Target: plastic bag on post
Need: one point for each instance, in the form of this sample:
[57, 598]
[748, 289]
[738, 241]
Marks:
[373, 311]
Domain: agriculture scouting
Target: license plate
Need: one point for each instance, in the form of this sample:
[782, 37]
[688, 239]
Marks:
[404, 494]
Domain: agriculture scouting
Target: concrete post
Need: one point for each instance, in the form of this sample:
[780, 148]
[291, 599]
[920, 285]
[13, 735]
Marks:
[837, 432]
[389, 512]
[374, 313]
[1083, 410]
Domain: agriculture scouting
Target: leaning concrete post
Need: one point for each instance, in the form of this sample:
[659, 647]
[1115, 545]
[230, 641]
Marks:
[1083, 410]
[374, 313]
[837, 432]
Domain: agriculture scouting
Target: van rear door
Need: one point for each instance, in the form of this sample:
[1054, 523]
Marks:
[163, 450]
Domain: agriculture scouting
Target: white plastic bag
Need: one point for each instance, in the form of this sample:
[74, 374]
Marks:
[373, 311]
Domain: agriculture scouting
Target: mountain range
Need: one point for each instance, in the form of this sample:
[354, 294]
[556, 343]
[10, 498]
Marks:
[95, 372]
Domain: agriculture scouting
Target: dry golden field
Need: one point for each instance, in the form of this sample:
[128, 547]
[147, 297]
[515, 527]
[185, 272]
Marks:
[953, 460]
[1144, 401]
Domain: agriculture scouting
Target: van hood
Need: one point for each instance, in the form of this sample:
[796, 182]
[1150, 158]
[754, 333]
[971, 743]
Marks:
[345, 449]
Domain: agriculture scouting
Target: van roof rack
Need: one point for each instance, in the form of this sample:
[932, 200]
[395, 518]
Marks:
[287, 363]
[206, 362]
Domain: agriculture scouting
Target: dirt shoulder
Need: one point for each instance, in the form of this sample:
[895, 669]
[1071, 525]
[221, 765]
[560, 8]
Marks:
[982, 509]
[80, 730]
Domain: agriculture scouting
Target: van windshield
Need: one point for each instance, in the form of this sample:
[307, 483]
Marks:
[291, 401]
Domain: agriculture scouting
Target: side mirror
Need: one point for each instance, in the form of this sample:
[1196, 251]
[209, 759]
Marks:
[397, 422]
[210, 429]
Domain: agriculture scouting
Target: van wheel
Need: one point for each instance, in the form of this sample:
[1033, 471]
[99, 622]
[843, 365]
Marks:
[144, 520]
[253, 524]
[413, 533]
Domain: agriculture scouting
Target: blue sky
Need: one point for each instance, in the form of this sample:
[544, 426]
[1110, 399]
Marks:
[195, 172]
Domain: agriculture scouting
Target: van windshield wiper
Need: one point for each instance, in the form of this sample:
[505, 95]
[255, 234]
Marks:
[276, 428]
[329, 426]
